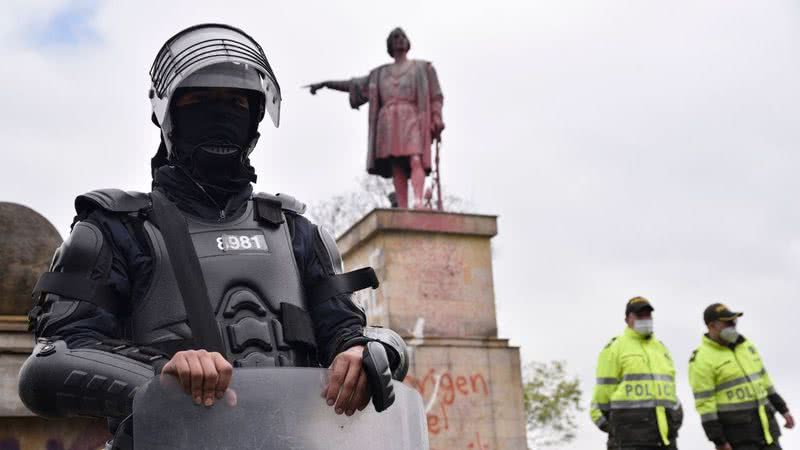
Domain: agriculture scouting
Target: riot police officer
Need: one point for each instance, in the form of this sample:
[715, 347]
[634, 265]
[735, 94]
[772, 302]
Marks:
[200, 275]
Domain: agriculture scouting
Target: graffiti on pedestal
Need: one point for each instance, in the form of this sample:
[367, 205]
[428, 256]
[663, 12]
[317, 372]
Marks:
[440, 391]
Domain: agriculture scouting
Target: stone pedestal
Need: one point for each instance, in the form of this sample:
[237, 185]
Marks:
[437, 292]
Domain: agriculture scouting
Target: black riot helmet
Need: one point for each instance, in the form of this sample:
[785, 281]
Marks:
[210, 56]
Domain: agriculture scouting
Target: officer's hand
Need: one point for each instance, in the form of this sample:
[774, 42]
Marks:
[789, 420]
[725, 446]
[347, 388]
[203, 375]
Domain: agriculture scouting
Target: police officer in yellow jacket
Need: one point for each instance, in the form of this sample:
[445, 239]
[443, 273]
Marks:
[634, 400]
[732, 391]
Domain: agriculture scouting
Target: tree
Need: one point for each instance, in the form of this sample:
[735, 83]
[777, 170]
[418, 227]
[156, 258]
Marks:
[552, 400]
[340, 212]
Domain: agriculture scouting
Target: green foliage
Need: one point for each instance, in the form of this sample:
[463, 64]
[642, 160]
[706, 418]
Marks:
[552, 401]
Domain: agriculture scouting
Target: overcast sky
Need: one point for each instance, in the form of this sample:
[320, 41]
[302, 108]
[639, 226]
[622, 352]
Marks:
[629, 147]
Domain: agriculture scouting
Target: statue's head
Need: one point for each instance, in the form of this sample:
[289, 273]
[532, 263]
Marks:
[397, 42]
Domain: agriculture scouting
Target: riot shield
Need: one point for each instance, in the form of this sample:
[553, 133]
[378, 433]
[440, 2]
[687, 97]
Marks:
[275, 409]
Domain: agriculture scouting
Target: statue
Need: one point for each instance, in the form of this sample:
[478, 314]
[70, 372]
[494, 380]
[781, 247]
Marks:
[405, 116]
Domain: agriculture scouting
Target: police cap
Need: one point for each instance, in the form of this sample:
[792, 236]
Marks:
[718, 311]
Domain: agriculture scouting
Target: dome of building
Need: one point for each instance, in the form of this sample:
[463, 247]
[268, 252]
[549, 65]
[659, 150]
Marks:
[27, 243]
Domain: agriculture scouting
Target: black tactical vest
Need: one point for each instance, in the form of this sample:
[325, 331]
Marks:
[253, 284]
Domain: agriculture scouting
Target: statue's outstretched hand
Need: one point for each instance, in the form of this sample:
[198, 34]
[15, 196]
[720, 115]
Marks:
[313, 88]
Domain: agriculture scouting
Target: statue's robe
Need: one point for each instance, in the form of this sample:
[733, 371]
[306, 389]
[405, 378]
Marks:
[401, 110]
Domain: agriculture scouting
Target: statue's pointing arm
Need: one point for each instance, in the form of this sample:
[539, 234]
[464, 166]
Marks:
[358, 88]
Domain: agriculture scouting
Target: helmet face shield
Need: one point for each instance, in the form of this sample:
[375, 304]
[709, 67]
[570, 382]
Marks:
[225, 75]
[212, 55]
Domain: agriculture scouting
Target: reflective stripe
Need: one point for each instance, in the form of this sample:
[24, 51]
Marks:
[636, 404]
[708, 417]
[625, 404]
[738, 381]
[647, 376]
[608, 381]
[739, 406]
[601, 406]
[703, 394]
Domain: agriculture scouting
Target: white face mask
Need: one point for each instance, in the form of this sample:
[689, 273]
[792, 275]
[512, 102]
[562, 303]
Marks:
[729, 335]
[643, 326]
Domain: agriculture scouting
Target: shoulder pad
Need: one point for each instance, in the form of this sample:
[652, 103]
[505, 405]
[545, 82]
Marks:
[114, 200]
[81, 254]
[610, 342]
[288, 203]
[694, 355]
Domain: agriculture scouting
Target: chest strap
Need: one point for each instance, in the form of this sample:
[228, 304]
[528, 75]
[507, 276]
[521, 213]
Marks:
[188, 274]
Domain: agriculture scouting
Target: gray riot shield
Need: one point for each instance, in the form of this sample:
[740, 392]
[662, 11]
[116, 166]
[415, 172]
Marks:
[275, 409]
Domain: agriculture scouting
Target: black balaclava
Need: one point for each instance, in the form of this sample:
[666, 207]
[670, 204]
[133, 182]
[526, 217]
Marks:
[210, 141]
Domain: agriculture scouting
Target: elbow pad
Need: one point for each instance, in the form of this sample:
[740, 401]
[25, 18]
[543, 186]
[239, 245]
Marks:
[56, 381]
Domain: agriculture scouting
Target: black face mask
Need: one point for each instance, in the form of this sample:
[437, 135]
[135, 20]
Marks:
[211, 139]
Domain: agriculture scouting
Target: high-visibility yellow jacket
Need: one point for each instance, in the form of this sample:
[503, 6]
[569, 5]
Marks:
[732, 393]
[635, 399]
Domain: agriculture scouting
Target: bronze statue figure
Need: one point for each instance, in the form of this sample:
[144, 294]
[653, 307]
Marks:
[405, 116]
